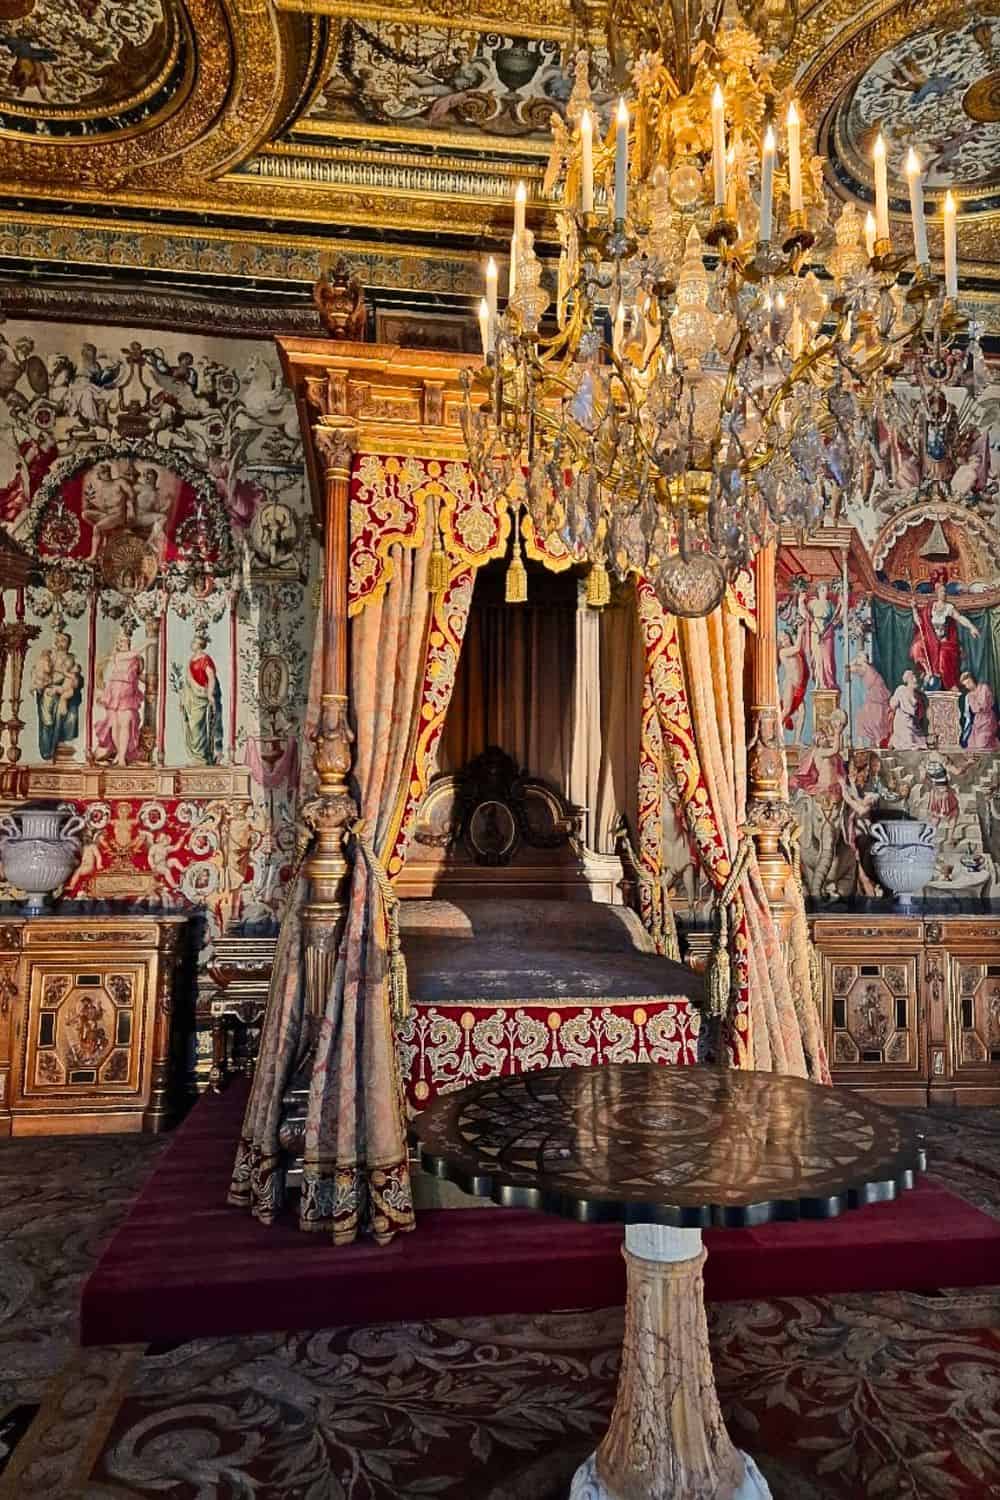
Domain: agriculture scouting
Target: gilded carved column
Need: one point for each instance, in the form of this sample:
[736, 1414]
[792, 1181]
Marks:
[333, 808]
[768, 812]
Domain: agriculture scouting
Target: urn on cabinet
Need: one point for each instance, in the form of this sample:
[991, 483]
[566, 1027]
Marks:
[904, 855]
[41, 852]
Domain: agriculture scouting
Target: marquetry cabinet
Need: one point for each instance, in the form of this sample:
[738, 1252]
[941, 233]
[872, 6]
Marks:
[911, 1004]
[86, 1007]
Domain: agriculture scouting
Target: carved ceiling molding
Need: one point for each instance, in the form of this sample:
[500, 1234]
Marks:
[250, 65]
[170, 311]
[514, 17]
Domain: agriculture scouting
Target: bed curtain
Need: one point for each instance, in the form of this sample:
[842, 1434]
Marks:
[696, 670]
[355, 1177]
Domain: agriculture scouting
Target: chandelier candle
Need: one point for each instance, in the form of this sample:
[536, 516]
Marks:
[766, 186]
[794, 160]
[881, 192]
[492, 280]
[484, 327]
[719, 146]
[520, 203]
[621, 161]
[587, 165]
[950, 212]
[914, 175]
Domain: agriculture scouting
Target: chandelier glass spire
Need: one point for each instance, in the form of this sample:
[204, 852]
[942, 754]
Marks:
[716, 339]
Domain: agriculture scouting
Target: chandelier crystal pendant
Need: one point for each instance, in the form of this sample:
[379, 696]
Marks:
[703, 384]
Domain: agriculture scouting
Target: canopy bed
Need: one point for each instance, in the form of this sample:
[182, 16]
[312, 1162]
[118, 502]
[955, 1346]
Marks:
[406, 533]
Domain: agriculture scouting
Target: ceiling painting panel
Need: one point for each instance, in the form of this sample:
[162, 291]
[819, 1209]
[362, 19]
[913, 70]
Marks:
[87, 67]
[442, 81]
[939, 92]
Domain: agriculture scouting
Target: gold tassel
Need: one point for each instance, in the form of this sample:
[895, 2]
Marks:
[516, 587]
[437, 569]
[598, 586]
[399, 986]
[719, 974]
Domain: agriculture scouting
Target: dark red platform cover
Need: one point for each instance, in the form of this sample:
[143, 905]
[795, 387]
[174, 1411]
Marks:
[185, 1265]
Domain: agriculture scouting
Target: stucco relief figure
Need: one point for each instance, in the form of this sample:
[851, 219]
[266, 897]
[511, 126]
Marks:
[936, 648]
[909, 710]
[118, 706]
[822, 615]
[979, 715]
[874, 719]
[201, 703]
[58, 688]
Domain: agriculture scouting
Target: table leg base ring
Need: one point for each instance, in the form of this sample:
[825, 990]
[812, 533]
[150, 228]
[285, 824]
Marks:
[587, 1484]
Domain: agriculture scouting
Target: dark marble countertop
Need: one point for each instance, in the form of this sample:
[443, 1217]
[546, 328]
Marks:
[68, 911]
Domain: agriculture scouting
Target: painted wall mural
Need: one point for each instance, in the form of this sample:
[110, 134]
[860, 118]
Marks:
[158, 479]
[889, 646]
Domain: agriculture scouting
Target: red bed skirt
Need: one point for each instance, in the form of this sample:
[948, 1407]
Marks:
[445, 1047]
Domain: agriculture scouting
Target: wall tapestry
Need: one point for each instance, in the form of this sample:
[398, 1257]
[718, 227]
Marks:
[158, 479]
[889, 647]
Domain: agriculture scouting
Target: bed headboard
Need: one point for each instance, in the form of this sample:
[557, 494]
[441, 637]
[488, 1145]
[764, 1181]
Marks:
[491, 829]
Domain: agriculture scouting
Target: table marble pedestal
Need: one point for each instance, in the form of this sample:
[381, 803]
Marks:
[667, 1439]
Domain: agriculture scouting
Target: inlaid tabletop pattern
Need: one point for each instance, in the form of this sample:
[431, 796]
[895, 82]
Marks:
[690, 1147]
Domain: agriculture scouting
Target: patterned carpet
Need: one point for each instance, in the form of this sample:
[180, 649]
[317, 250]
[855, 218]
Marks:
[849, 1397]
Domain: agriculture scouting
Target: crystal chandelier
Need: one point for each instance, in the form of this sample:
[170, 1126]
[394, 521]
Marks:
[703, 385]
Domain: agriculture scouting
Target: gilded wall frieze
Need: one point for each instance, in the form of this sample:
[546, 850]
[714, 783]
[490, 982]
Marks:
[226, 252]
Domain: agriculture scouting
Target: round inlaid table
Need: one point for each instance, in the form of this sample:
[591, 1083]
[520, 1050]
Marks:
[668, 1152]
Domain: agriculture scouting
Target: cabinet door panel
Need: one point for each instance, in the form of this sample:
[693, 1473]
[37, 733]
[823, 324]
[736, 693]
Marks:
[873, 1020]
[975, 1014]
[83, 1030]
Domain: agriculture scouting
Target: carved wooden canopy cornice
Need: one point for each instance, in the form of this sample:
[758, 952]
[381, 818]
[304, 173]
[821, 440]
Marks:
[394, 401]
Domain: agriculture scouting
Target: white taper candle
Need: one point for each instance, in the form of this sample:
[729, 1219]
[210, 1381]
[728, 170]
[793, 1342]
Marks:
[587, 164]
[794, 160]
[766, 184]
[719, 145]
[881, 188]
[914, 174]
[871, 234]
[621, 160]
[950, 246]
[492, 287]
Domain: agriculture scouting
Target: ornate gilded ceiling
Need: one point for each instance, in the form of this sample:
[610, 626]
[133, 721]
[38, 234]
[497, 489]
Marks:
[241, 143]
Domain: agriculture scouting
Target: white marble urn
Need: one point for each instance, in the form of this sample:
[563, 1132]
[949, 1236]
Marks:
[40, 849]
[904, 855]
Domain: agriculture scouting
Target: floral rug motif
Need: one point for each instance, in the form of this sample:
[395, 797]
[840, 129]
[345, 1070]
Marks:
[838, 1398]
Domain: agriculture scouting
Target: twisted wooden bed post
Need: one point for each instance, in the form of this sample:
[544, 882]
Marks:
[335, 439]
[768, 811]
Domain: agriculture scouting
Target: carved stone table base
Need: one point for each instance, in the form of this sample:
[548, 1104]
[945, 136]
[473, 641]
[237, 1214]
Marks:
[667, 1439]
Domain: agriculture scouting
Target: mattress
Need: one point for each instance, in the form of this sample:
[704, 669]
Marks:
[549, 952]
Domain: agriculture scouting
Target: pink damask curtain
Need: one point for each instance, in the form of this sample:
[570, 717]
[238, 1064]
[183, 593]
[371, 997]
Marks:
[697, 675]
[355, 1174]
